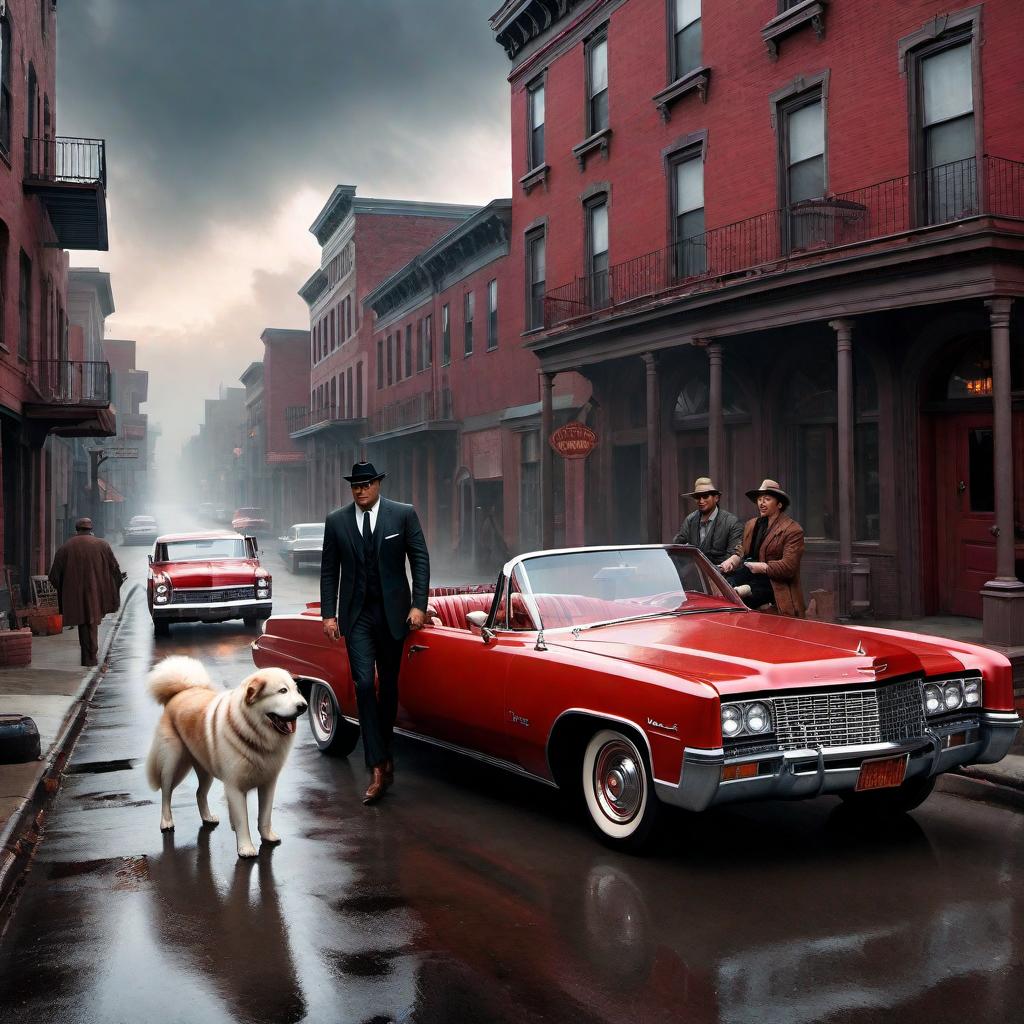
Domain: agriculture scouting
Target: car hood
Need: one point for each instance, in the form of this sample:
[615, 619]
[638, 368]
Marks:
[210, 574]
[739, 651]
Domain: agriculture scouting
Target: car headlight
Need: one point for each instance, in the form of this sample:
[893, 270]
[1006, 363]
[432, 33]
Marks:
[757, 718]
[972, 692]
[161, 599]
[732, 720]
[162, 588]
[952, 696]
[933, 702]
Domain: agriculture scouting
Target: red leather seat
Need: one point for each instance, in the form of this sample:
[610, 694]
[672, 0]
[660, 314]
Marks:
[451, 609]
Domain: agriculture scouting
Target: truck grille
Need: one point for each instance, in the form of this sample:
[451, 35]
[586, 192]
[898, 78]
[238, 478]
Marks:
[887, 714]
[213, 596]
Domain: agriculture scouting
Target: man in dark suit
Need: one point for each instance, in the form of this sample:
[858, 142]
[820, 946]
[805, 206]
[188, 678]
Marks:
[366, 544]
[719, 534]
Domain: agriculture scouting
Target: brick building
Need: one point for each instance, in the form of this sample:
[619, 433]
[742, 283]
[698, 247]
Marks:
[362, 241]
[52, 198]
[124, 481]
[784, 239]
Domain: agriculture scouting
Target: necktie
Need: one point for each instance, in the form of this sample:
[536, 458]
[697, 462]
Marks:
[367, 533]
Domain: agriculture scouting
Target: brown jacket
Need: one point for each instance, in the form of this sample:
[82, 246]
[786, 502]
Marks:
[88, 580]
[782, 549]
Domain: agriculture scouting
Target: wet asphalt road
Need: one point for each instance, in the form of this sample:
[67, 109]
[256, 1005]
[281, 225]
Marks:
[467, 895]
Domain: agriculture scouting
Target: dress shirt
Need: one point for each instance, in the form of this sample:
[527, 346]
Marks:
[373, 517]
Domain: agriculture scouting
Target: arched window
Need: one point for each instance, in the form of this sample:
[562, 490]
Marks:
[692, 402]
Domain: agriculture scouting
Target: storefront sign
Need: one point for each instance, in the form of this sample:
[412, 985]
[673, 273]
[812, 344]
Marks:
[573, 441]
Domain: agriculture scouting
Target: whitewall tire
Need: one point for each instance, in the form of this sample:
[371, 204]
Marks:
[618, 790]
[334, 736]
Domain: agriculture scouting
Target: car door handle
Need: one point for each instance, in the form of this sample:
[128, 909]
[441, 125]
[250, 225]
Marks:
[416, 648]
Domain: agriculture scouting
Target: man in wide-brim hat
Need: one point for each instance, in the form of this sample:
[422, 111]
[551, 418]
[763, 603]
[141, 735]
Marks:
[710, 527]
[365, 597]
[768, 569]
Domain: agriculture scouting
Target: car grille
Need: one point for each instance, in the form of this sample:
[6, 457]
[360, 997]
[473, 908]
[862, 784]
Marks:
[212, 596]
[887, 714]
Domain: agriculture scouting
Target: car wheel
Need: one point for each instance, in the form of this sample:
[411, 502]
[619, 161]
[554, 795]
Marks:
[618, 791]
[334, 736]
[295, 563]
[895, 800]
[161, 628]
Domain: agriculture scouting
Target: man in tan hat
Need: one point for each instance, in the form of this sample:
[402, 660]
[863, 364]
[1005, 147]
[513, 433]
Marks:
[768, 569]
[88, 581]
[716, 532]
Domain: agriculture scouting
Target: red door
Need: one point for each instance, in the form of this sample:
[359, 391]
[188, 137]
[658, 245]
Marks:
[965, 500]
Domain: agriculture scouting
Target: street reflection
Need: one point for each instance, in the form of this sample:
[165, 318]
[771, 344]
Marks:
[233, 935]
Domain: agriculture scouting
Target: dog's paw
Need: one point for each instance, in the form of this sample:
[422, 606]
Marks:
[166, 826]
[211, 822]
[270, 837]
[248, 850]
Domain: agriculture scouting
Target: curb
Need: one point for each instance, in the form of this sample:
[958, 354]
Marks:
[975, 787]
[21, 833]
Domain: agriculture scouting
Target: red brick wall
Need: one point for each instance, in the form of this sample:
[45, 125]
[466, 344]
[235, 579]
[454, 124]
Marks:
[285, 384]
[867, 116]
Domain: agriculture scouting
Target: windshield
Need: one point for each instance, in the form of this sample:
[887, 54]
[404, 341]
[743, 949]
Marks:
[580, 588]
[309, 531]
[201, 550]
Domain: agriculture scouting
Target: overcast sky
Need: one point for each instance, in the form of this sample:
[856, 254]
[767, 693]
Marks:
[229, 122]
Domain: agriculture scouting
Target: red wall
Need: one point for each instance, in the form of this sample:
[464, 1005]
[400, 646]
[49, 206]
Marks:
[285, 384]
[867, 118]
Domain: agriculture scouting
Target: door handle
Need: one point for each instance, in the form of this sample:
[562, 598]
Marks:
[961, 487]
[416, 648]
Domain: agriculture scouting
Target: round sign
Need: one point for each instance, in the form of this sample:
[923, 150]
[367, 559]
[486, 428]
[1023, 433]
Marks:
[573, 441]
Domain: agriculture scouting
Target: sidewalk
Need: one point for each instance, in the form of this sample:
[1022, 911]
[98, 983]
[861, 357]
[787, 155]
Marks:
[54, 691]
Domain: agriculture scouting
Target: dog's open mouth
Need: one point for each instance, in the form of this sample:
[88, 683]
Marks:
[285, 726]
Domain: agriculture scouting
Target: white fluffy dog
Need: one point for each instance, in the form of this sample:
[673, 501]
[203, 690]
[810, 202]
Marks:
[240, 736]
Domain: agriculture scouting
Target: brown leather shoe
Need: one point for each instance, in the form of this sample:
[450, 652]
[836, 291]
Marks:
[389, 772]
[377, 786]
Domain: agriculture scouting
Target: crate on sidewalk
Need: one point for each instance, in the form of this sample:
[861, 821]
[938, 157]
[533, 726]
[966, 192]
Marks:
[44, 621]
[15, 648]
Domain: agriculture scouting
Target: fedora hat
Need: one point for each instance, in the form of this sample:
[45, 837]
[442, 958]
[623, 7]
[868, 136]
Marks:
[770, 487]
[701, 486]
[364, 473]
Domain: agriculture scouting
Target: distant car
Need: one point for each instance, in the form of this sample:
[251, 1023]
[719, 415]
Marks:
[221, 514]
[304, 542]
[206, 509]
[250, 520]
[211, 576]
[140, 530]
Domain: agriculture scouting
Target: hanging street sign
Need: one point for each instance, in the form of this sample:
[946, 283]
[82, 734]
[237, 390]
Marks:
[117, 453]
[573, 441]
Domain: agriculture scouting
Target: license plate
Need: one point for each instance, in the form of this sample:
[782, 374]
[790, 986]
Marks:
[882, 773]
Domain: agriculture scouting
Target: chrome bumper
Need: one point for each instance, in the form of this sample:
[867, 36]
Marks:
[793, 774]
[212, 611]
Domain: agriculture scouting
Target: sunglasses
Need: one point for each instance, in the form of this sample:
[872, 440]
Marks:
[363, 487]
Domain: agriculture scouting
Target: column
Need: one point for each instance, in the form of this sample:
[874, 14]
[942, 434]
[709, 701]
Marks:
[547, 480]
[653, 449]
[845, 438]
[716, 418]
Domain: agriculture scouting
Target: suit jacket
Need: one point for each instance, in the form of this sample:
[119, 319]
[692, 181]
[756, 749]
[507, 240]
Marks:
[342, 568]
[723, 539]
[781, 549]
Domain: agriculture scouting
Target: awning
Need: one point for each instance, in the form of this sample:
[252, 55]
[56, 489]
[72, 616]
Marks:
[108, 492]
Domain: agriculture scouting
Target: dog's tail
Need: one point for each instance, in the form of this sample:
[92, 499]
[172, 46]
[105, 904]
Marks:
[172, 675]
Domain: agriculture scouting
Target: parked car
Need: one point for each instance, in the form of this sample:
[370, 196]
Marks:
[250, 520]
[304, 542]
[206, 509]
[221, 514]
[638, 675]
[140, 530]
[212, 576]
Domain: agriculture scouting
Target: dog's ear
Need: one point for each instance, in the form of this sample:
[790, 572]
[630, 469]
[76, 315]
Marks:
[254, 689]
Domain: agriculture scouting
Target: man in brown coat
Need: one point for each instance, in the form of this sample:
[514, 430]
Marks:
[88, 581]
[773, 545]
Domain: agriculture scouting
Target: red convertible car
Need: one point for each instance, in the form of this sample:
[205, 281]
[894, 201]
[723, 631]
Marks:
[211, 576]
[250, 520]
[637, 674]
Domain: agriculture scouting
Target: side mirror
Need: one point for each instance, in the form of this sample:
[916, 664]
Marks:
[479, 619]
[149, 558]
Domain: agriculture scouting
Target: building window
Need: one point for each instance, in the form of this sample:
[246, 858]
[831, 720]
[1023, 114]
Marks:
[686, 37]
[380, 364]
[467, 311]
[428, 341]
[333, 336]
[945, 136]
[5, 84]
[24, 304]
[408, 350]
[391, 359]
[535, 140]
[597, 251]
[597, 84]
[492, 315]
[688, 215]
[348, 391]
[803, 167]
[446, 336]
[359, 391]
[536, 272]
[420, 354]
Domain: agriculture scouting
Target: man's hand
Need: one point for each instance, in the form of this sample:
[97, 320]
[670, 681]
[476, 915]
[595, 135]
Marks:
[760, 568]
[416, 619]
[731, 563]
[331, 629]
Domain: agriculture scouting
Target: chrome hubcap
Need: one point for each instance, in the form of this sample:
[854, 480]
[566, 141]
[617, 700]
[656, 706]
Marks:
[619, 781]
[325, 713]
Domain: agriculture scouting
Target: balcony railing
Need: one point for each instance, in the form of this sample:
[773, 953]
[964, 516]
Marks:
[66, 160]
[304, 418]
[67, 382]
[426, 407]
[800, 233]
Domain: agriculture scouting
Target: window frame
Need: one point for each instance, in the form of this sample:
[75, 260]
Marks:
[428, 341]
[693, 150]
[674, 71]
[593, 41]
[380, 364]
[533, 163]
[24, 306]
[492, 314]
[535, 312]
[468, 316]
[6, 95]
[446, 335]
[599, 297]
